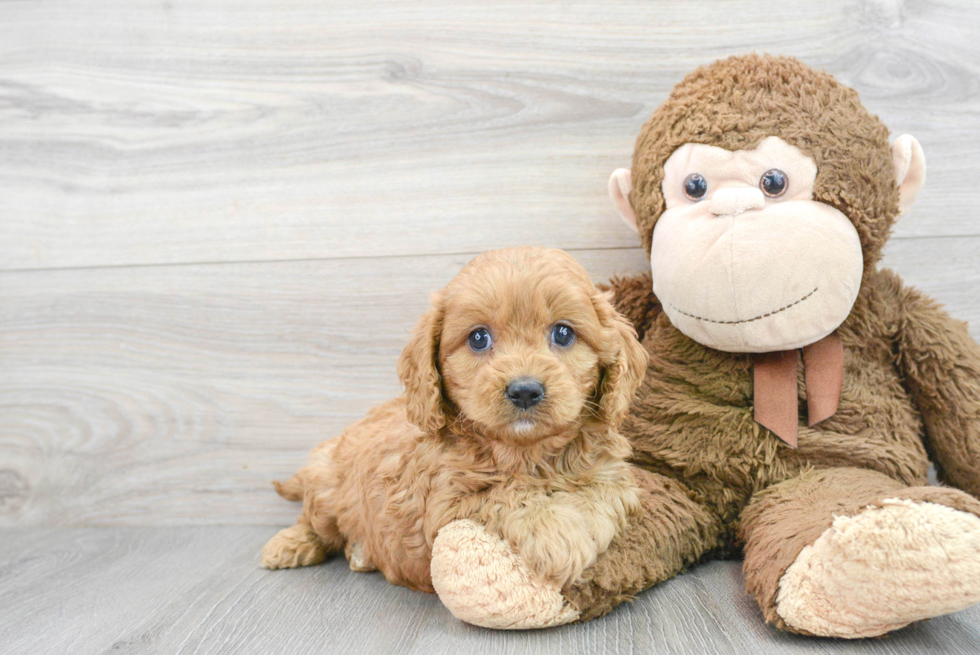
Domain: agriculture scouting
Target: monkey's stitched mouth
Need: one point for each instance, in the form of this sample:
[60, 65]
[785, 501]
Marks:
[747, 320]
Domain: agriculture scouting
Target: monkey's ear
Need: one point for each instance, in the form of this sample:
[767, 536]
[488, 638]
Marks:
[620, 184]
[418, 369]
[910, 170]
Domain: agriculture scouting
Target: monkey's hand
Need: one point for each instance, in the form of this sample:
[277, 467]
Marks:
[941, 366]
[484, 581]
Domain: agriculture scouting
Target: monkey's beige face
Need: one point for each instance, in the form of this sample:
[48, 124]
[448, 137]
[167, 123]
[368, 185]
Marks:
[518, 352]
[744, 259]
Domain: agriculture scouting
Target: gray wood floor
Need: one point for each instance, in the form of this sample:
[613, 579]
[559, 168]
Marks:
[198, 590]
[219, 219]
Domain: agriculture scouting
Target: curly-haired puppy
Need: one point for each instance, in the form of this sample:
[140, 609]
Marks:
[515, 381]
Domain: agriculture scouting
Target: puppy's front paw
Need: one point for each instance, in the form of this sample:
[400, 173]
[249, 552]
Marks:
[482, 581]
[555, 538]
[295, 546]
[559, 550]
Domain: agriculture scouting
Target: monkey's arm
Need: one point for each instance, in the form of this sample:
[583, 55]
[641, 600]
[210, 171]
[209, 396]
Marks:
[941, 365]
[633, 298]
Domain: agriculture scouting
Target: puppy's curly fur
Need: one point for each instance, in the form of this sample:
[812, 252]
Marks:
[550, 479]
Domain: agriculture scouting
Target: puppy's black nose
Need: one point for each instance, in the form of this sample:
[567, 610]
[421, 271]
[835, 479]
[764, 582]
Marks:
[525, 392]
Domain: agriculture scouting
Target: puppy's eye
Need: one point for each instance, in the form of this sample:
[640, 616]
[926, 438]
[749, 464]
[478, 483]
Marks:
[774, 183]
[480, 339]
[562, 335]
[695, 186]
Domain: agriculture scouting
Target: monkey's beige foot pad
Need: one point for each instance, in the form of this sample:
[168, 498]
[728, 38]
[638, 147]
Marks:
[482, 581]
[882, 569]
[294, 546]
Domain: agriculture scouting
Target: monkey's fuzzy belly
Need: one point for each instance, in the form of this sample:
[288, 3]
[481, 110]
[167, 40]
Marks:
[693, 420]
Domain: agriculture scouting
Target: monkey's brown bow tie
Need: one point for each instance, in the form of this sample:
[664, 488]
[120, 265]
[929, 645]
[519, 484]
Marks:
[774, 382]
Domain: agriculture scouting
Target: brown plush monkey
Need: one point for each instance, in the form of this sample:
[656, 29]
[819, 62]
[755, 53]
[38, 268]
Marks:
[764, 193]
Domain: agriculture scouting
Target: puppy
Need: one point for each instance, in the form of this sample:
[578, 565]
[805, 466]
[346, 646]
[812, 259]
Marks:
[515, 381]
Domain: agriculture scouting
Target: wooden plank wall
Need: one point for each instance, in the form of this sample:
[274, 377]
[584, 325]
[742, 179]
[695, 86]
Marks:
[219, 220]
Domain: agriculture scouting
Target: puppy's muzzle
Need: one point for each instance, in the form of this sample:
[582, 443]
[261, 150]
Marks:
[525, 392]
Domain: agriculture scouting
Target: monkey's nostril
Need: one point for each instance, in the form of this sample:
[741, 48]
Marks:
[525, 392]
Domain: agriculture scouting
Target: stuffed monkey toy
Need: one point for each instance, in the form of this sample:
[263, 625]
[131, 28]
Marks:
[796, 393]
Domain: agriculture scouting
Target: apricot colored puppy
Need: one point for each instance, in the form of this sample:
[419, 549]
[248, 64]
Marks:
[515, 381]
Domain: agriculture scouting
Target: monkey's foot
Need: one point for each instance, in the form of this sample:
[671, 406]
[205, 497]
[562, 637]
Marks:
[883, 569]
[482, 581]
[295, 546]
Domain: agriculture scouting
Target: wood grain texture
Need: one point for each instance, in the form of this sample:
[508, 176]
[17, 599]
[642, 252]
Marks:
[175, 394]
[239, 130]
[199, 591]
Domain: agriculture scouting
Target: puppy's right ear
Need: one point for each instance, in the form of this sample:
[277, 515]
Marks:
[623, 360]
[418, 369]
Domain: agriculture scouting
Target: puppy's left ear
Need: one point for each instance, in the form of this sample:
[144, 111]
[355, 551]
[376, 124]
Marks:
[623, 361]
[418, 370]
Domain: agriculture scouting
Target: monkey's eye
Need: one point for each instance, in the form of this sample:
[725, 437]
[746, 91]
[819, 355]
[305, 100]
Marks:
[774, 183]
[562, 335]
[695, 186]
[480, 339]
